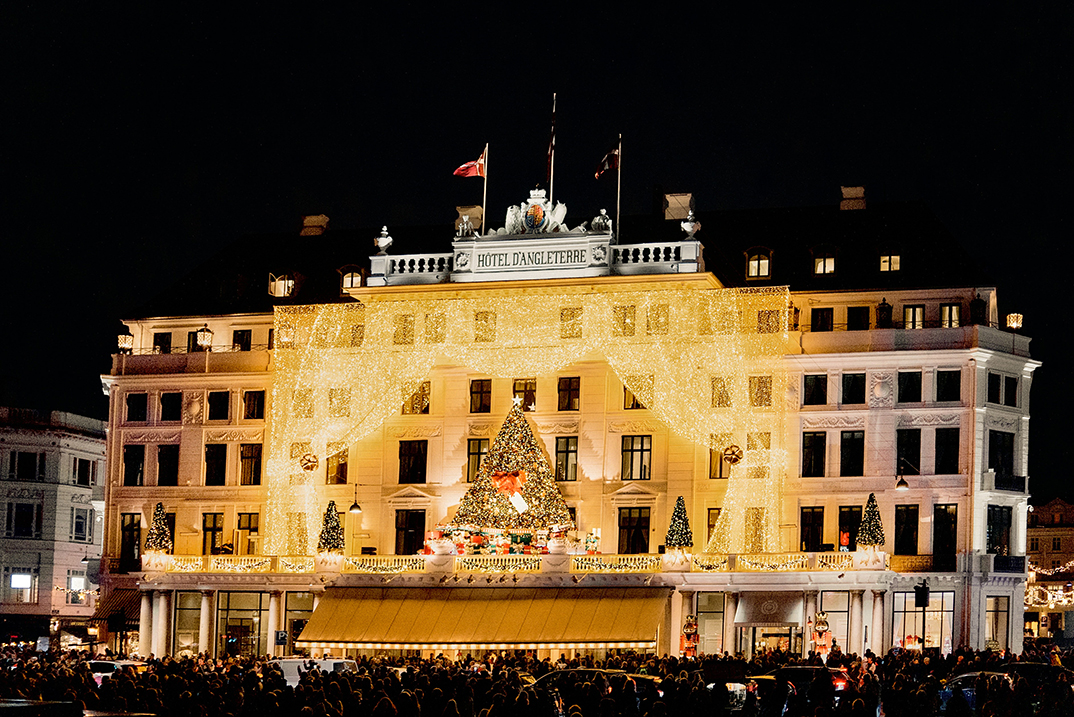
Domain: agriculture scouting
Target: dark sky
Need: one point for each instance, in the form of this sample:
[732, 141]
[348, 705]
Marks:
[137, 140]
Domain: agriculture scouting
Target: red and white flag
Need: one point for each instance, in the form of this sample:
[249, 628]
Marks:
[610, 161]
[475, 168]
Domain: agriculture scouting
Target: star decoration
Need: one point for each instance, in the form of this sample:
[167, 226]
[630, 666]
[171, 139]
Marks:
[533, 407]
[518, 400]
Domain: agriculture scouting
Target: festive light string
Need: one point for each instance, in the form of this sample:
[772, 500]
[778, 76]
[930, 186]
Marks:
[1066, 567]
[1038, 596]
[341, 370]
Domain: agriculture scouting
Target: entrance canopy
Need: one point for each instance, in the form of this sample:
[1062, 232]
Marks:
[486, 618]
[764, 609]
[120, 608]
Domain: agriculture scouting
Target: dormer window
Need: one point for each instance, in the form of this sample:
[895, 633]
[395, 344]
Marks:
[889, 262]
[280, 286]
[758, 264]
[824, 263]
[352, 280]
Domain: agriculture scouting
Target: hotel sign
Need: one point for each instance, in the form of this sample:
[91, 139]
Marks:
[495, 260]
[527, 257]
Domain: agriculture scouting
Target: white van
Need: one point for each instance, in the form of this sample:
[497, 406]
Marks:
[293, 667]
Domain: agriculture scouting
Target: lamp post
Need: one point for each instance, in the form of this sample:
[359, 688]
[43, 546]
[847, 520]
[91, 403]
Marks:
[901, 485]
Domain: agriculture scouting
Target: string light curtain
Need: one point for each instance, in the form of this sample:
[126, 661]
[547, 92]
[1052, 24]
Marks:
[342, 369]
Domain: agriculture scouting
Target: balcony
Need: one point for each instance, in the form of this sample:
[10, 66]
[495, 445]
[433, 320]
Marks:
[840, 340]
[1008, 563]
[222, 359]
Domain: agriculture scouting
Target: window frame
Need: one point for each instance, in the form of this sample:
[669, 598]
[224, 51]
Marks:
[947, 450]
[481, 395]
[419, 402]
[215, 466]
[913, 316]
[815, 389]
[253, 405]
[821, 319]
[907, 522]
[250, 466]
[811, 531]
[814, 454]
[636, 456]
[133, 465]
[569, 390]
[566, 459]
[824, 263]
[852, 454]
[950, 316]
[944, 391]
[171, 406]
[908, 389]
[476, 451]
[527, 392]
[136, 407]
[168, 469]
[758, 264]
[217, 401]
[413, 462]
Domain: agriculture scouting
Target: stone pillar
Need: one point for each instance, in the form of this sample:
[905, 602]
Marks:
[856, 622]
[160, 621]
[810, 600]
[273, 619]
[205, 623]
[876, 632]
[730, 606]
[145, 624]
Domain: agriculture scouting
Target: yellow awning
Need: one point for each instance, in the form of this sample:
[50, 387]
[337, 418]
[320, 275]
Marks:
[123, 602]
[486, 618]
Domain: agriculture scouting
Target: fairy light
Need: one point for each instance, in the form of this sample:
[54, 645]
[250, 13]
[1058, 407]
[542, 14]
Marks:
[379, 352]
[1065, 568]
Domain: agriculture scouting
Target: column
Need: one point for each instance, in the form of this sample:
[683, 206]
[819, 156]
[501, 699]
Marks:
[205, 623]
[730, 606]
[159, 622]
[273, 619]
[856, 622]
[876, 632]
[145, 624]
[810, 599]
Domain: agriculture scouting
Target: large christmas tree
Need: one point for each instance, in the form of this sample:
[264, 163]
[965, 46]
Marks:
[679, 533]
[159, 539]
[515, 488]
[871, 530]
[331, 538]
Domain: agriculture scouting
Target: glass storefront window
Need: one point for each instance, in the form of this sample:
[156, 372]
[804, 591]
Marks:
[997, 616]
[187, 623]
[939, 621]
[710, 623]
[242, 624]
[837, 605]
[299, 609]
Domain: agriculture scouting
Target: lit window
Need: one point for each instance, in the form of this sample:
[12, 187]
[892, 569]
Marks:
[352, 280]
[484, 326]
[570, 323]
[418, 402]
[282, 285]
[950, 316]
[623, 321]
[567, 458]
[889, 262]
[336, 465]
[758, 266]
[637, 457]
[824, 264]
[913, 317]
[476, 450]
[526, 389]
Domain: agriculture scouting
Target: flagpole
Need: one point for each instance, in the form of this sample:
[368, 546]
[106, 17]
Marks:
[618, 187]
[485, 193]
[552, 153]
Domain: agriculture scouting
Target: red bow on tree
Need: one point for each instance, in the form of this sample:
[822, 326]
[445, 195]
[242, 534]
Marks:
[510, 484]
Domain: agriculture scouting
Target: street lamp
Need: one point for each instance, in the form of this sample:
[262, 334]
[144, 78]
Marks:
[125, 342]
[901, 485]
[355, 509]
[205, 338]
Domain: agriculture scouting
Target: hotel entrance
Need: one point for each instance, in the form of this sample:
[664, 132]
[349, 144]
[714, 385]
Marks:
[755, 640]
[768, 621]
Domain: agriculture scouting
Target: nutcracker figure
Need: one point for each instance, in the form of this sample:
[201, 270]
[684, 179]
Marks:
[689, 637]
[822, 636]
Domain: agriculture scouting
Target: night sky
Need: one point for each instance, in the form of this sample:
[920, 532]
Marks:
[137, 141]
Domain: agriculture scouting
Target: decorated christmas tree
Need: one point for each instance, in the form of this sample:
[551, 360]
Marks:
[159, 539]
[679, 533]
[515, 488]
[331, 538]
[871, 530]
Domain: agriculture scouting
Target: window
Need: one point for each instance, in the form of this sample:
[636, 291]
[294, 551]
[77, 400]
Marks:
[168, 465]
[889, 262]
[339, 402]
[853, 388]
[133, 465]
[570, 391]
[412, 460]
[852, 453]
[760, 391]
[813, 448]
[939, 618]
[476, 450]
[409, 531]
[26, 466]
[622, 321]
[944, 536]
[253, 405]
[949, 385]
[908, 451]
[250, 463]
[352, 280]
[947, 449]
[215, 463]
[526, 389]
[171, 406]
[770, 321]
[1057, 543]
[906, 530]
[718, 466]
[484, 326]
[212, 533]
[250, 522]
[1010, 391]
[240, 339]
[481, 396]
[567, 458]
[633, 531]
[909, 386]
[824, 263]
[713, 518]
[281, 286]
[998, 531]
[849, 522]
[656, 320]
[630, 401]
[812, 529]
[336, 465]
[418, 402]
[1034, 545]
[721, 392]
[997, 619]
[84, 471]
[822, 319]
[816, 390]
[637, 457]
[758, 266]
[857, 318]
[130, 541]
[24, 520]
[20, 585]
[950, 316]
[219, 405]
[137, 407]
[76, 582]
[570, 323]
[192, 346]
[995, 381]
[836, 603]
[1001, 452]
[913, 316]
[162, 343]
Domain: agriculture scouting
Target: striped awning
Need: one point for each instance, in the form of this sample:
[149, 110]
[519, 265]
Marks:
[122, 601]
[486, 618]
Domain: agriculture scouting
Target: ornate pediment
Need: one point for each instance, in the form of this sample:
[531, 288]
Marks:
[634, 494]
[413, 431]
[410, 496]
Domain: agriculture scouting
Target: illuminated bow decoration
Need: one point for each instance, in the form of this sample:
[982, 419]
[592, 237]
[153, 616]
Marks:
[510, 484]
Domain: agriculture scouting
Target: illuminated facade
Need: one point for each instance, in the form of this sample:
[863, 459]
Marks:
[823, 371]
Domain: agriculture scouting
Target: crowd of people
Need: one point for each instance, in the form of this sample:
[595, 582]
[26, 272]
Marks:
[899, 684]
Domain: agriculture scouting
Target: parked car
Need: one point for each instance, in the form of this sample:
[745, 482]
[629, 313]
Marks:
[293, 667]
[800, 676]
[764, 690]
[1037, 673]
[550, 687]
[967, 684]
[105, 668]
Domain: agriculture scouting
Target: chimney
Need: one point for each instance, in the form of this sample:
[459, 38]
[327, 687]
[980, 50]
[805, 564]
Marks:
[853, 198]
[314, 226]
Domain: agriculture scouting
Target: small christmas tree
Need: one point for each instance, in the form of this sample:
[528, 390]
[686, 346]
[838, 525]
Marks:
[871, 530]
[515, 487]
[331, 538]
[159, 539]
[679, 533]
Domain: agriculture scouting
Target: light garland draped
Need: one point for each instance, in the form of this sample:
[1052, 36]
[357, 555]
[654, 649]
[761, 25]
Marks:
[707, 362]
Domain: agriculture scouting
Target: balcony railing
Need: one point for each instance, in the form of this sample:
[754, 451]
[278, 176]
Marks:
[1009, 563]
[384, 564]
[644, 563]
[1016, 484]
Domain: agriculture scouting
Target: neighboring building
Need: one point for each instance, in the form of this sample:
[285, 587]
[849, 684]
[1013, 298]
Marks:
[244, 412]
[1050, 539]
[52, 521]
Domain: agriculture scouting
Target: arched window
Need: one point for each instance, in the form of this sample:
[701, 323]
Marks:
[352, 280]
[758, 264]
[282, 285]
[824, 262]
